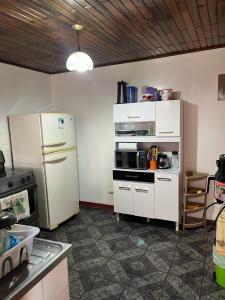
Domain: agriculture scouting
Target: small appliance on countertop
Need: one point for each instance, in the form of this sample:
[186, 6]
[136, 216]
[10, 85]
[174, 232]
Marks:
[131, 159]
[163, 161]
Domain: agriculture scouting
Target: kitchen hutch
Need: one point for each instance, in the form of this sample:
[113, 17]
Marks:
[147, 193]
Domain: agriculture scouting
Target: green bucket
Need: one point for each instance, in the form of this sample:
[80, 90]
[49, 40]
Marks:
[220, 276]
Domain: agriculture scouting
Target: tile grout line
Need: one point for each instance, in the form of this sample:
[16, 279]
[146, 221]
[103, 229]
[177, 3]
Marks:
[167, 273]
[203, 273]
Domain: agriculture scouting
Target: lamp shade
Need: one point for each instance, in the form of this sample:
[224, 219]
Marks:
[79, 61]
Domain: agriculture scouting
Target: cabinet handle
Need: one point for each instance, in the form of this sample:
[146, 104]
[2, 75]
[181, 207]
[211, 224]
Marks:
[166, 132]
[131, 176]
[164, 179]
[141, 191]
[124, 188]
[133, 117]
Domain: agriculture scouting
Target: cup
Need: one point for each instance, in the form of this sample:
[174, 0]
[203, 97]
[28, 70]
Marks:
[153, 164]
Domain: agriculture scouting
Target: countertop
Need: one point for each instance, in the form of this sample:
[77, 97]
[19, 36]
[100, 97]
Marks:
[45, 256]
[157, 171]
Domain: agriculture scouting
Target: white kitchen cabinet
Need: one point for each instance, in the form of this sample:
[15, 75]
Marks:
[123, 197]
[168, 118]
[144, 194]
[134, 112]
[134, 198]
[167, 197]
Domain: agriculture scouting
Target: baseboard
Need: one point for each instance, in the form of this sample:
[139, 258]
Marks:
[96, 205]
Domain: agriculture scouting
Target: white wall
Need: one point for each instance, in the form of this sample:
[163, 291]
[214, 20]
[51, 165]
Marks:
[21, 91]
[90, 97]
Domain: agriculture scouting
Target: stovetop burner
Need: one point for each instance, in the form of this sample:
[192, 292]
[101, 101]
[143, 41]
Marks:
[9, 172]
[13, 179]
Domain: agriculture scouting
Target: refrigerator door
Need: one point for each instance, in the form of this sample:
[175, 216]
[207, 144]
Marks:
[57, 130]
[62, 186]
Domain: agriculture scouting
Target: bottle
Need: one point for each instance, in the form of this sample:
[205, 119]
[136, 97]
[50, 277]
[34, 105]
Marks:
[175, 159]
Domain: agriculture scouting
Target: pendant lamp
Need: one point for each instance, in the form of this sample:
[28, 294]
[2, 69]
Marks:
[79, 61]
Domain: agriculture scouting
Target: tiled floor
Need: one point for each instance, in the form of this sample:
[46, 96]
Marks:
[133, 260]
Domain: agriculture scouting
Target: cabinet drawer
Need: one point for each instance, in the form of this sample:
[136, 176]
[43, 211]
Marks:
[168, 119]
[167, 197]
[134, 112]
[123, 197]
[144, 197]
[133, 176]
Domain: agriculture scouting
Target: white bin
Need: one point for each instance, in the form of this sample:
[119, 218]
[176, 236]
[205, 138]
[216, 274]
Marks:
[12, 258]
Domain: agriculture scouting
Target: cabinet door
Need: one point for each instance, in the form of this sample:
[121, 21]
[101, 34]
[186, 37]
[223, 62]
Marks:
[168, 115]
[144, 200]
[123, 197]
[167, 197]
[36, 293]
[134, 112]
[56, 282]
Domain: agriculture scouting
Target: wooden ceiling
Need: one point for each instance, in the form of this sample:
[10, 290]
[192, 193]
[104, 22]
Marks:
[37, 34]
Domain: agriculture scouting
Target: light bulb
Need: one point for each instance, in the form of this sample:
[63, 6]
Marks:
[79, 61]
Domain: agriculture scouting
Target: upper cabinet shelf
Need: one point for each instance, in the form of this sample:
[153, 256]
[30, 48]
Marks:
[134, 112]
[166, 115]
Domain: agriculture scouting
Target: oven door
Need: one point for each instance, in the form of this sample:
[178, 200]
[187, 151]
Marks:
[127, 159]
[32, 195]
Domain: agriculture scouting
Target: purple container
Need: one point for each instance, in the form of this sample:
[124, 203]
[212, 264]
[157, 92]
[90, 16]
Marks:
[150, 90]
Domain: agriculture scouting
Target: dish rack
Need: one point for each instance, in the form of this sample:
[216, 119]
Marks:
[12, 258]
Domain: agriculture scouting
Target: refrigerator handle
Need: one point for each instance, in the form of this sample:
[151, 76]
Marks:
[54, 161]
[54, 144]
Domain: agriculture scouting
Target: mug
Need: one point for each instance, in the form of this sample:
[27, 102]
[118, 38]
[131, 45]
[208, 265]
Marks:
[166, 94]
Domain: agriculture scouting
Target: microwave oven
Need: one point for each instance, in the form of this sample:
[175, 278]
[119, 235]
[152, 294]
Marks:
[131, 159]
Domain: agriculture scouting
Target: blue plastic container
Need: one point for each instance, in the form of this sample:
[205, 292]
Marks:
[131, 94]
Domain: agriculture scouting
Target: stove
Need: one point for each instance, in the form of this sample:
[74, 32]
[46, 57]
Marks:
[13, 181]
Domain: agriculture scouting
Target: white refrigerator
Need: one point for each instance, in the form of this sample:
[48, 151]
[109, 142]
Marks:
[46, 143]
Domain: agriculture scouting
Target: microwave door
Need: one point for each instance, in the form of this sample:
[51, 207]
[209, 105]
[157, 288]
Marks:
[125, 160]
[138, 160]
[132, 160]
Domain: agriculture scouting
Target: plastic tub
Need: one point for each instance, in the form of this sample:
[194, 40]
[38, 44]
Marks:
[12, 258]
[220, 276]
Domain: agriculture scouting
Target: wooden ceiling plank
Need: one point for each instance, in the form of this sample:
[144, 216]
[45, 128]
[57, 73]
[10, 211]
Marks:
[170, 23]
[188, 39]
[204, 15]
[130, 27]
[86, 22]
[209, 42]
[134, 12]
[196, 44]
[215, 34]
[174, 41]
[175, 12]
[182, 4]
[221, 18]
[201, 37]
[189, 25]
[193, 9]
[212, 8]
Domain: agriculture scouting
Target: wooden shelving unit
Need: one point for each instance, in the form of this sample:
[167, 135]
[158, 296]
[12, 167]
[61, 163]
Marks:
[194, 198]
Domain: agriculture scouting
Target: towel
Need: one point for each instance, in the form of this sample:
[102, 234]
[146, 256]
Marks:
[18, 203]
